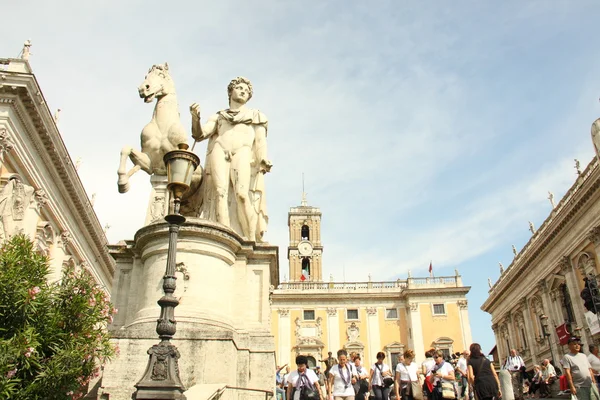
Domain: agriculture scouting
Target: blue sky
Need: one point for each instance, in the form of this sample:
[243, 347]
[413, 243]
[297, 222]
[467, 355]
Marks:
[425, 130]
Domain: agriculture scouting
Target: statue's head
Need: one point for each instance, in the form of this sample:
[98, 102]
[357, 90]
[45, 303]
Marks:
[157, 83]
[240, 90]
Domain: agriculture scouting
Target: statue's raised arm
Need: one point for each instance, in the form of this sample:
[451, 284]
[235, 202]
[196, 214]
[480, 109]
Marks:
[199, 132]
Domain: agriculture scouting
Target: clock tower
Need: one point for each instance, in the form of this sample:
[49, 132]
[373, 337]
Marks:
[305, 249]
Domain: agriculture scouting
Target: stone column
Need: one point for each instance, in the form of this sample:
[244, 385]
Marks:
[529, 331]
[333, 329]
[374, 335]
[465, 326]
[594, 237]
[417, 332]
[285, 349]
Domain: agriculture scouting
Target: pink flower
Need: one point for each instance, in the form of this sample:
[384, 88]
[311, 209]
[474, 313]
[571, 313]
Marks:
[33, 291]
[11, 373]
[115, 310]
[29, 351]
[92, 302]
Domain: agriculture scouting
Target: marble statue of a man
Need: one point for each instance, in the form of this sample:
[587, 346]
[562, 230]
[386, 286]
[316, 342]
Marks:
[236, 161]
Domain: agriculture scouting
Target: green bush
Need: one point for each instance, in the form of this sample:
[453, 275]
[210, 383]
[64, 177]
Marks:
[53, 336]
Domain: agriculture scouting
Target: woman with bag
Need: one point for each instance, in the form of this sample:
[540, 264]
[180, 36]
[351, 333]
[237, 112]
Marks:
[380, 378]
[482, 375]
[443, 378]
[342, 377]
[406, 383]
[303, 384]
[426, 368]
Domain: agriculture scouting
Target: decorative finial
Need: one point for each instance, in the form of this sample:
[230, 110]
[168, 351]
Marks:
[501, 268]
[514, 249]
[409, 274]
[369, 277]
[577, 166]
[330, 277]
[57, 116]
[531, 227]
[490, 283]
[304, 203]
[551, 198]
[77, 163]
[93, 199]
[106, 228]
[456, 272]
[26, 52]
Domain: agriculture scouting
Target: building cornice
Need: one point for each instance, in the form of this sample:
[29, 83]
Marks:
[21, 91]
[576, 198]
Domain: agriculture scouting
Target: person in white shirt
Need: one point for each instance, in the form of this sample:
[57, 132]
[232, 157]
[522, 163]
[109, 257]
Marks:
[426, 368]
[342, 378]
[361, 387]
[461, 368]
[443, 372]
[378, 372]
[406, 373]
[514, 364]
[594, 359]
[302, 379]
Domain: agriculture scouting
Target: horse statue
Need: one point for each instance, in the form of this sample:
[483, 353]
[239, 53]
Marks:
[162, 134]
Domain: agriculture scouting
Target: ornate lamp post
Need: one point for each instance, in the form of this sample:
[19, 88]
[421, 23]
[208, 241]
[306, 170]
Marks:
[161, 378]
[544, 319]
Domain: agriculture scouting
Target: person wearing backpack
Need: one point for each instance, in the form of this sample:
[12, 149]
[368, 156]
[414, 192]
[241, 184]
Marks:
[303, 383]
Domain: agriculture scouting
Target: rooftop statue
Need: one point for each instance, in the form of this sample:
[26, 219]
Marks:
[233, 190]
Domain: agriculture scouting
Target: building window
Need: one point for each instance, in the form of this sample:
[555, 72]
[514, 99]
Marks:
[439, 309]
[446, 353]
[391, 313]
[305, 232]
[351, 314]
[309, 315]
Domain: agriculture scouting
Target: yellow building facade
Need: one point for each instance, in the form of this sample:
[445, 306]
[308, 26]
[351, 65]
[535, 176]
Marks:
[310, 316]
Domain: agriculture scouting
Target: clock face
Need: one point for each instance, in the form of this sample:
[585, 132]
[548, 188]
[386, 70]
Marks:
[305, 248]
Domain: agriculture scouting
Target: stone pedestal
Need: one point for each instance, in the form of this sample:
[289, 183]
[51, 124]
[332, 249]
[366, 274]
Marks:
[223, 326]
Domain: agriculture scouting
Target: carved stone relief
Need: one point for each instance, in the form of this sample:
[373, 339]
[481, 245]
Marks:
[158, 208]
[353, 332]
[371, 310]
[594, 235]
[413, 306]
[284, 312]
[331, 311]
[463, 304]
[15, 199]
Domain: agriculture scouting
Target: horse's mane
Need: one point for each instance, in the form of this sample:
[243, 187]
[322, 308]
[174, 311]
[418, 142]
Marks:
[161, 67]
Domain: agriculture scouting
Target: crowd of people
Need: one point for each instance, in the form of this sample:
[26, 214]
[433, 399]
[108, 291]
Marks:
[581, 375]
[347, 378]
[464, 376]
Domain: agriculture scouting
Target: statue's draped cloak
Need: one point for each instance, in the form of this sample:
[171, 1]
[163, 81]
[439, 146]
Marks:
[208, 208]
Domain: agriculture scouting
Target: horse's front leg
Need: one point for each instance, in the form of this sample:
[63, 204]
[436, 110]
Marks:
[140, 161]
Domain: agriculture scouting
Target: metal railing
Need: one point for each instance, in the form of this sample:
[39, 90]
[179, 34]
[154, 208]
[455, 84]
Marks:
[444, 281]
[240, 393]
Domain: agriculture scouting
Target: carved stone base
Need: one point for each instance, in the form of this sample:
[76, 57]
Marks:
[223, 316]
[161, 379]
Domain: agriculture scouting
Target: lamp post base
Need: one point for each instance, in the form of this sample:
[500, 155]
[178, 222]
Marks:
[161, 378]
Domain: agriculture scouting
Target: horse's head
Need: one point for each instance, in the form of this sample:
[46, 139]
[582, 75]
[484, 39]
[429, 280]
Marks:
[157, 83]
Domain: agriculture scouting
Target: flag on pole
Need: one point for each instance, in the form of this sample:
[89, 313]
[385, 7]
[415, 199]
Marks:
[304, 275]
[430, 268]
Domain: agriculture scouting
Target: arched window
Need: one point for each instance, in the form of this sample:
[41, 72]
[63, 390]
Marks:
[306, 266]
[312, 363]
[305, 232]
